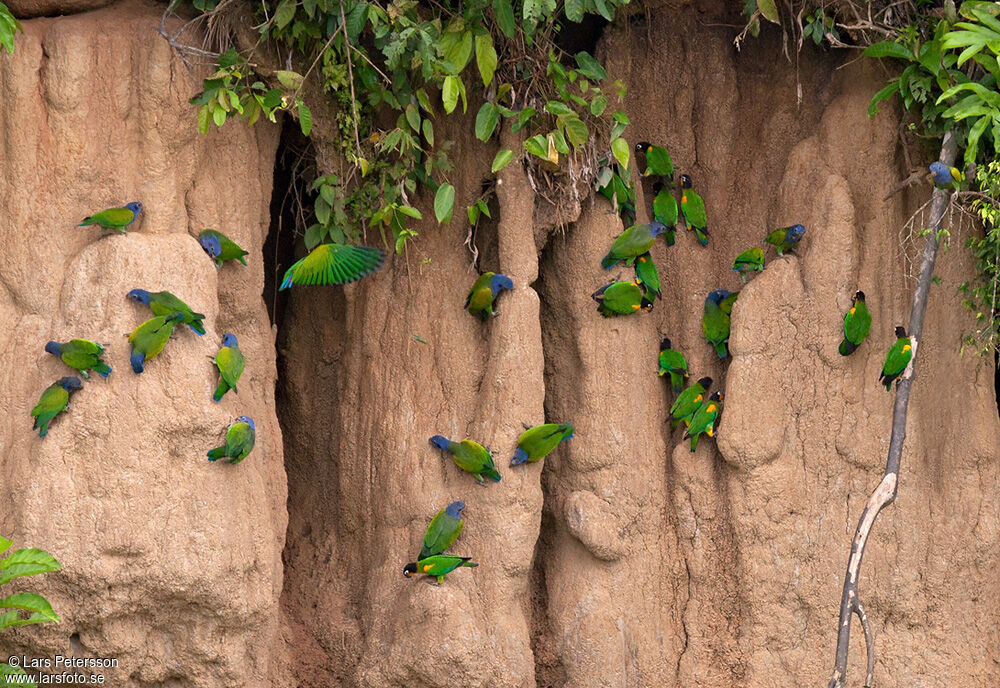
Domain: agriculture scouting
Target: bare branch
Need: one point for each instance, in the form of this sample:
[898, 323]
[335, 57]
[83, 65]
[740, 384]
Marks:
[887, 488]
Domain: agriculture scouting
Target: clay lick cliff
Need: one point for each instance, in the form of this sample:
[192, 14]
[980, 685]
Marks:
[622, 559]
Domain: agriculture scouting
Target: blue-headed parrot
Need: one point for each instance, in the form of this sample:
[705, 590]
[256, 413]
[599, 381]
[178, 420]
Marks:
[334, 264]
[165, 303]
[536, 443]
[443, 530]
[632, 243]
[53, 401]
[229, 360]
[481, 297]
[149, 338]
[240, 438]
[470, 457]
[221, 248]
[786, 239]
[82, 355]
[114, 218]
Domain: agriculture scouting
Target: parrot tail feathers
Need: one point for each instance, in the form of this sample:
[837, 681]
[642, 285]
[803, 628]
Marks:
[670, 236]
[694, 443]
[608, 261]
[520, 456]
[102, 369]
[470, 564]
[702, 235]
[220, 391]
[243, 259]
[677, 382]
[138, 359]
[217, 453]
[197, 325]
[722, 349]
[492, 474]
[847, 347]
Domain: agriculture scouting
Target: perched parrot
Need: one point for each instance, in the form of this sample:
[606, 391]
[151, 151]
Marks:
[53, 401]
[334, 264]
[469, 456]
[726, 305]
[693, 209]
[443, 530]
[240, 438]
[483, 294]
[221, 248]
[114, 218]
[536, 443]
[673, 362]
[857, 322]
[437, 566]
[751, 260]
[149, 338]
[230, 363]
[620, 298]
[165, 303]
[897, 359]
[665, 211]
[82, 355]
[632, 243]
[648, 276]
[620, 192]
[689, 401]
[658, 161]
[703, 420]
[945, 176]
[785, 239]
[715, 321]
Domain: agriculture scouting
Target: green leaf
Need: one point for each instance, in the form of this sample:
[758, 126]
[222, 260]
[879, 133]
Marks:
[557, 141]
[284, 14]
[219, 116]
[769, 10]
[502, 159]
[486, 57]
[424, 101]
[41, 610]
[473, 212]
[886, 93]
[538, 146]
[27, 562]
[598, 105]
[314, 236]
[574, 10]
[444, 203]
[449, 93]
[590, 67]
[483, 208]
[7, 671]
[504, 13]
[428, 132]
[204, 119]
[460, 52]
[557, 107]
[972, 147]
[523, 118]
[888, 49]
[486, 121]
[4, 544]
[305, 119]
[288, 79]
[322, 210]
[413, 117]
[356, 21]
[620, 149]
[410, 211]
[576, 131]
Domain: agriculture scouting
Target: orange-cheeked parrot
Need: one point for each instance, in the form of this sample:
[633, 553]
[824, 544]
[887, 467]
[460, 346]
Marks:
[621, 298]
[674, 363]
[704, 419]
[897, 359]
[689, 401]
[857, 322]
[693, 209]
[437, 566]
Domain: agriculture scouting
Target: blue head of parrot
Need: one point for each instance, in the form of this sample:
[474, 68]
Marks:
[229, 340]
[440, 441]
[657, 228]
[54, 348]
[211, 244]
[248, 421]
[941, 173]
[794, 233]
[135, 207]
[70, 383]
[717, 296]
[139, 296]
[500, 282]
[455, 509]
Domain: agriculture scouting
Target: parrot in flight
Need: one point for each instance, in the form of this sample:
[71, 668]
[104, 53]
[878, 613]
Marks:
[82, 355]
[53, 401]
[165, 303]
[240, 438]
[114, 218]
[334, 264]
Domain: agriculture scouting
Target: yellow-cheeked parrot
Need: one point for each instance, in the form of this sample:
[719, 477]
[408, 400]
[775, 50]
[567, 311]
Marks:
[437, 566]
[674, 363]
[657, 163]
[619, 190]
[484, 291]
[165, 303]
[857, 322]
[221, 248]
[536, 443]
[443, 530]
[648, 276]
[229, 360]
[689, 401]
[149, 338]
[334, 264]
[632, 243]
[621, 298]
[53, 401]
[82, 355]
[240, 438]
[470, 457]
[897, 359]
[704, 419]
[114, 218]
[665, 211]
[693, 209]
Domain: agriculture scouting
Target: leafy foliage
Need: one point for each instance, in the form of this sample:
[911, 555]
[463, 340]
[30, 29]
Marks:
[982, 294]
[23, 608]
[9, 26]
[394, 68]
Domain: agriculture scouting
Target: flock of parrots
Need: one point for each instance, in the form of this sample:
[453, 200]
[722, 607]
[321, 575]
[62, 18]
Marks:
[334, 263]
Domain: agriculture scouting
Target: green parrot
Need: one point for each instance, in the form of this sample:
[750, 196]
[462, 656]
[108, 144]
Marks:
[658, 161]
[334, 264]
[53, 401]
[443, 530]
[82, 355]
[229, 360]
[536, 443]
[857, 322]
[620, 298]
[437, 566]
[648, 276]
[673, 362]
[715, 320]
[221, 248]
[726, 305]
[693, 209]
[665, 211]
[240, 438]
[751, 260]
[897, 359]
[945, 177]
[703, 420]
[619, 191]
[165, 303]
[785, 239]
[632, 243]
[689, 401]
[149, 338]
[114, 218]
[469, 456]
[483, 294]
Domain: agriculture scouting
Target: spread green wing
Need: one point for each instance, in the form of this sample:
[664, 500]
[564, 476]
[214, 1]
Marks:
[334, 264]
